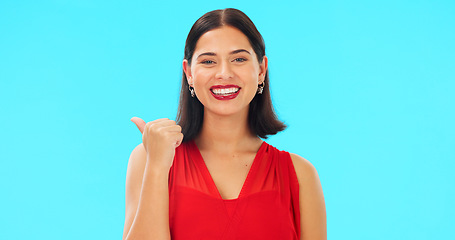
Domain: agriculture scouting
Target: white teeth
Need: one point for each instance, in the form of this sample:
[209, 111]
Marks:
[224, 91]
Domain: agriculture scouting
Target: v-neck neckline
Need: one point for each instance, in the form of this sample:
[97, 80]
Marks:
[201, 162]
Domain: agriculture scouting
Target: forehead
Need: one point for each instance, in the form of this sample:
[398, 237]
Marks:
[222, 40]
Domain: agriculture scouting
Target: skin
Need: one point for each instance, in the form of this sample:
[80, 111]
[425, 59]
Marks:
[225, 142]
[223, 56]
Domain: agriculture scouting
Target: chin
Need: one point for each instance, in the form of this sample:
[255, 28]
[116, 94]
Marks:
[226, 110]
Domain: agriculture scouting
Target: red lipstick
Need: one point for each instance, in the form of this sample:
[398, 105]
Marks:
[224, 96]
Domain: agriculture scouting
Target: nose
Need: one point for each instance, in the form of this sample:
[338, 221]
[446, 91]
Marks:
[224, 71]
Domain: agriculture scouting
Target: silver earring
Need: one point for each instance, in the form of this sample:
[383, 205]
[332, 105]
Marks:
[191, 91]
[261, 88]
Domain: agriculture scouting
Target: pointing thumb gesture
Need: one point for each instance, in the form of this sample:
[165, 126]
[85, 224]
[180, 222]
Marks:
[139, 123]
[160, 138]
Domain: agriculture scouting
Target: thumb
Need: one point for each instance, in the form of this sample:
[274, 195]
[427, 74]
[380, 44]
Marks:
[139, 123]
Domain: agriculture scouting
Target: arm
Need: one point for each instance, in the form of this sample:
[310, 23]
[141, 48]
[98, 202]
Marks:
[313, 222]
[147, 199]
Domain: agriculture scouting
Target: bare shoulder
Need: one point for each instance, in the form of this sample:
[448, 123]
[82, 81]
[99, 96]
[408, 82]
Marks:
[313, 222]
[135, 171]
[136, 166]
[133, 184]
[137, 158]
[303, 168]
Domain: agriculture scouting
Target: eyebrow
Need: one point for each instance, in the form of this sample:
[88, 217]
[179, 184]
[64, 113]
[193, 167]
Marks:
[231, 53]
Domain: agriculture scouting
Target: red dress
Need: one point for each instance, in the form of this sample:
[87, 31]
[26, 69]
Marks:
[267, 207]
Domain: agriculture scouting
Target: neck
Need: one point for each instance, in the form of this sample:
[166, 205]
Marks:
[226, 133]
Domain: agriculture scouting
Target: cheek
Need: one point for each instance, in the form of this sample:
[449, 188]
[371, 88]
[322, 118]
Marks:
[202, 74]
[250, 75]
[200, 80]
[250, 71]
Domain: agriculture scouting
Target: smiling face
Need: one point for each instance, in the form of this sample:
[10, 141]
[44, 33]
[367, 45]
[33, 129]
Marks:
[224, 71]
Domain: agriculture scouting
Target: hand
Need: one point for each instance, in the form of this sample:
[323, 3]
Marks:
[160, 138]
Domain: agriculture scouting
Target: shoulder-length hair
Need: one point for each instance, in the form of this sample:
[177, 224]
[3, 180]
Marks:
[262, 119]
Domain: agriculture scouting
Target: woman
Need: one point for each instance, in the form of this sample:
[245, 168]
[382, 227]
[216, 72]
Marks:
[210, 176]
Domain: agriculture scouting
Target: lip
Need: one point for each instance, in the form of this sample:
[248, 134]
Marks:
[224, 86]
[226, 97]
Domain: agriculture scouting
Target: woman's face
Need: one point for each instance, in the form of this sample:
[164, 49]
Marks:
[224, 71]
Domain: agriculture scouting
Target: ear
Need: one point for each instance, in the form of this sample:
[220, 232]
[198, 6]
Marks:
[263, 69]
[187, 70]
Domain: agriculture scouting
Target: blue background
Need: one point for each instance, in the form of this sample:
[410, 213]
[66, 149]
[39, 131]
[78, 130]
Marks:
[366, 88]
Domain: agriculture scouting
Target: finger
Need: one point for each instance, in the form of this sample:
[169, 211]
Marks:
[179, 140]
[140, 124]
[159, 120]
[164, 122]
[172, 128]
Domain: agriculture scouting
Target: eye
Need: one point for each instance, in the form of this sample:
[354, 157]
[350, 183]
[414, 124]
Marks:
[240, 59]
[207, 62]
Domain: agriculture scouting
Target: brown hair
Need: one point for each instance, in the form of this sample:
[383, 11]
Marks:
[262, 119]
